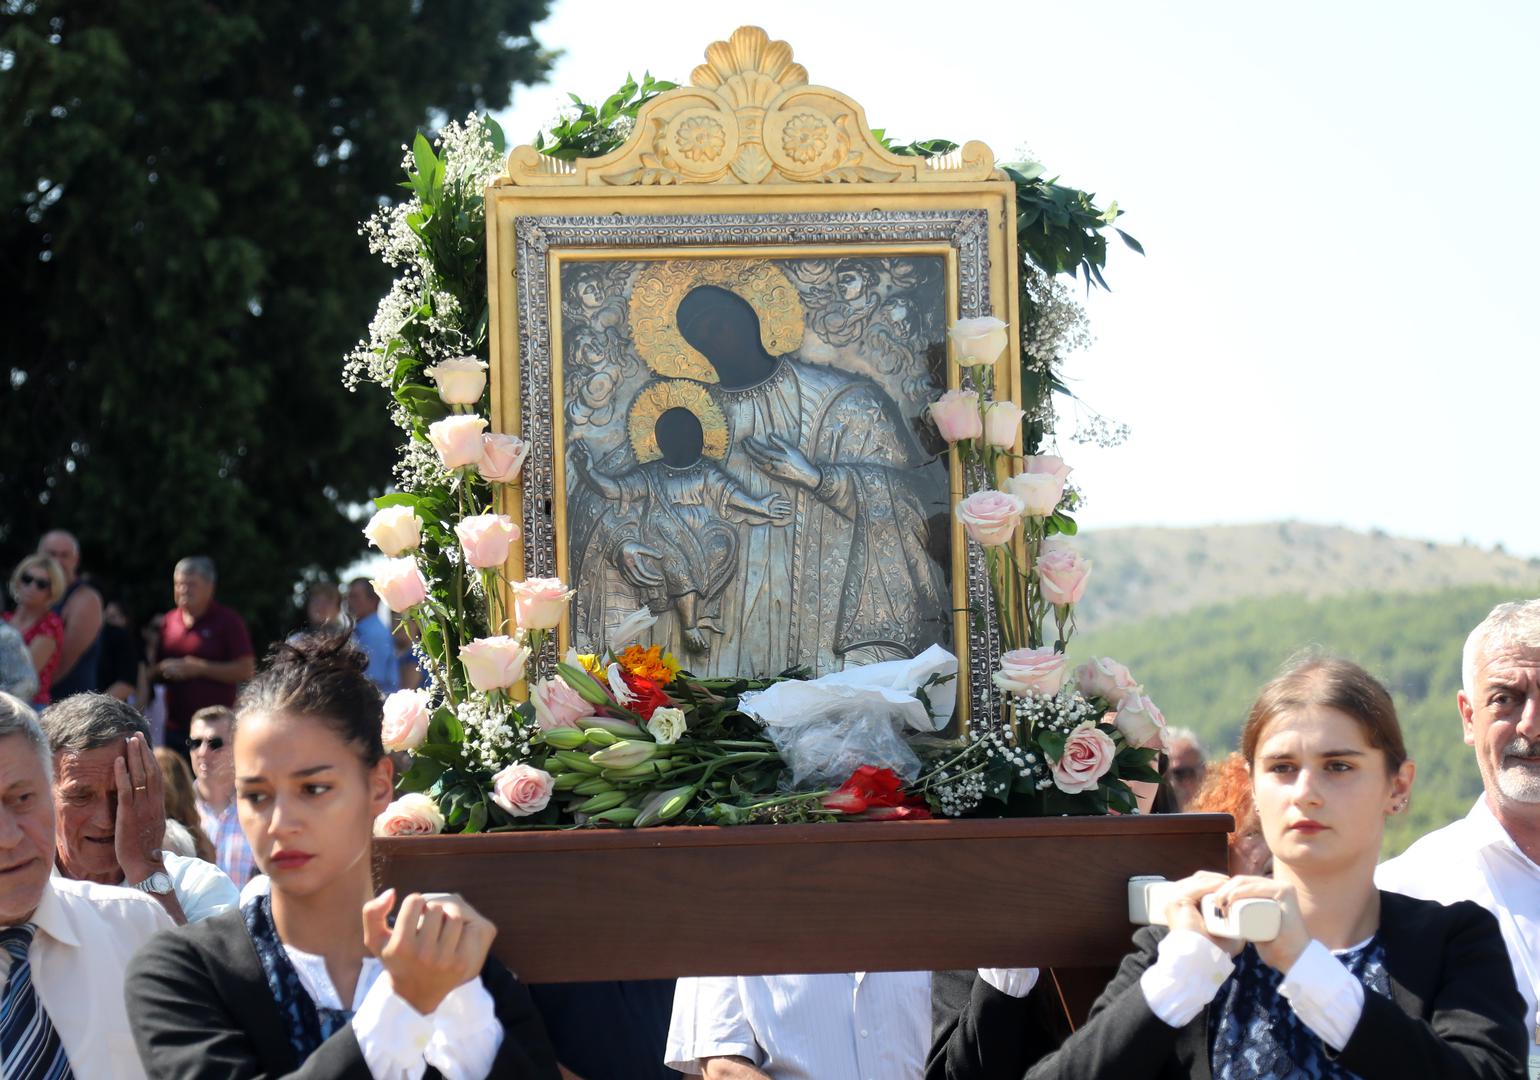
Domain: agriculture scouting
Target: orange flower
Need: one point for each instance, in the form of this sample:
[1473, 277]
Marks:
[651, 663]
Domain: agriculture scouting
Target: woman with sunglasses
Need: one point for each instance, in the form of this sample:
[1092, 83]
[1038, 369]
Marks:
[1358, 983]
[310, 978]
[36, 583]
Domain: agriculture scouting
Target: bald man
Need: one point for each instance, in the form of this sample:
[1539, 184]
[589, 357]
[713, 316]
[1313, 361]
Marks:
[81, 609]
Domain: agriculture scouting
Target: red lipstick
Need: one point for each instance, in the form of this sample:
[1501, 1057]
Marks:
[290, 860]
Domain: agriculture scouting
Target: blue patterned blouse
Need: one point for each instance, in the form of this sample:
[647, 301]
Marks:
[1256, 1033]
[309, 1024]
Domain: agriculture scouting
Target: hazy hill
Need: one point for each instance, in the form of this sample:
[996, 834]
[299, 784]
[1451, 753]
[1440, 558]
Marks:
[1144, 572]
[1203, 667]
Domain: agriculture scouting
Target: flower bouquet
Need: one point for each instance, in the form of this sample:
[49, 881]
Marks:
[625, 737]
[1062, 747]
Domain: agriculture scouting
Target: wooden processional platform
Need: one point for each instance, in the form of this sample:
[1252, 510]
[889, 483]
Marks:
[588, 904]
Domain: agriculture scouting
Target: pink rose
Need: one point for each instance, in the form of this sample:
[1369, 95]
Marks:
[979, 340]
[457, 440]
[502, 457]
[1063, 572]
[494, 663]
[957, 416]
[1002, 423]
[1039, 492]
[1025, 670]
[413, 814]
[1107, 679]
[1142, 723]
[485, 539]
[400, 585]
[557, 705]
[395, 530]
[990, 517]
[406, 720]
[1088, 754]
[522, 789]
[539, 603]
[1049, 465]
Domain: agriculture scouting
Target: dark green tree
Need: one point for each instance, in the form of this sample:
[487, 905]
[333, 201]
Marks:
[180, 270]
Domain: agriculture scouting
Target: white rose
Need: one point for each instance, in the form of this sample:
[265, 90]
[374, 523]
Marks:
[1002, 423]
[395, 530]
[494, 663]
[1038, 491]
[666, 725]
[461, 380]
[978, 341]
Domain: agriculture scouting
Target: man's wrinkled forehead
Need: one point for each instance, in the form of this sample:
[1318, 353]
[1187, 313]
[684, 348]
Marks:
[81, 770]
[1509, 665]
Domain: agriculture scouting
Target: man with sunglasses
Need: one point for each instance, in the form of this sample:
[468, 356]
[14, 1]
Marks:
[208, 743]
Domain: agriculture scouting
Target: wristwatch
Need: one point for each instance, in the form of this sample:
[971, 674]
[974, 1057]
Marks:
[158, 883]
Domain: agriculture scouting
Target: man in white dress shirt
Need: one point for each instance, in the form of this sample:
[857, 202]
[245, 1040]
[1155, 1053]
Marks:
[1492, 855]
[64, 945]
[861, 1026]
[109, 802]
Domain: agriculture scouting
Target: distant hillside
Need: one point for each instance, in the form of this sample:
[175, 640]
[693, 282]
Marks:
[1204, 667]
[1144, 572]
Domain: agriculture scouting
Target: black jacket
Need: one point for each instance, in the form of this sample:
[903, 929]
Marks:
[981, 1034]
[200, 1009]
[1454, 1012]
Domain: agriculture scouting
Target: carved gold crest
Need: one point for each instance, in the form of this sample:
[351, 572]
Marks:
[655, 303]
[749, 116]
[659, 397]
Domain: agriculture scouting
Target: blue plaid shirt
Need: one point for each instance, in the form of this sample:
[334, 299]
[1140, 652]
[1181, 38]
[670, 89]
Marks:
[231, 852]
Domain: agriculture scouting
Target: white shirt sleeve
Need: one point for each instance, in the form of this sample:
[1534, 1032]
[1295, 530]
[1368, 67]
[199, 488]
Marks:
[460, 1038]
[1186, 975]
[708, 1021]
[203, 889]
[1324, 994]
[1017, 982]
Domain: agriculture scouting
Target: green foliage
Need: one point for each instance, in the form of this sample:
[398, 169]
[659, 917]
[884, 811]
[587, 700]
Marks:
[179, 269]
[1204, 668]
[1059, 230]
[593, 132]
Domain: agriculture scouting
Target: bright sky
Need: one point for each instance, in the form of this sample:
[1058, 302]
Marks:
[1333, 198]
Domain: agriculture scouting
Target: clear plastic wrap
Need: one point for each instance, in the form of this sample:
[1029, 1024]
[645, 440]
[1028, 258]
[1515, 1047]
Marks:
[827, 727]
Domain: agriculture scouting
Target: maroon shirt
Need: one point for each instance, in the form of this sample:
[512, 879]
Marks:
[218, 634]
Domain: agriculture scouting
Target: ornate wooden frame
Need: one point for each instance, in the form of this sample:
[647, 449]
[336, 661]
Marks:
[750, 159]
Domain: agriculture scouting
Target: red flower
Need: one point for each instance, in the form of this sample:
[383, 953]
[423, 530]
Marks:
[649, 696]
[870, 787]
[895, 813]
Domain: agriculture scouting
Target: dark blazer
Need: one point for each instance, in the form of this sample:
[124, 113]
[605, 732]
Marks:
[1454, 1012]
[980, 1033]
[200, 1009]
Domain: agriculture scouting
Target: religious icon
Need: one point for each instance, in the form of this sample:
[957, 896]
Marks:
[746, 457]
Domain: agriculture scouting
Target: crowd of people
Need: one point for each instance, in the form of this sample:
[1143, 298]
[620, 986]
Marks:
[64, 635]
[195, 898]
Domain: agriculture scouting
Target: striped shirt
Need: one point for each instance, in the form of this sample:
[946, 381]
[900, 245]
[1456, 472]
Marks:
[231, 852]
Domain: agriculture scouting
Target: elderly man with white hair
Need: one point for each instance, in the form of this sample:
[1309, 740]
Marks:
[1492, 855]
[64, 945]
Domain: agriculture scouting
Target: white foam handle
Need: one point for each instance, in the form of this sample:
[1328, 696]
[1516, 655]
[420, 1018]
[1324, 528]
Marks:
[1251, 919]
